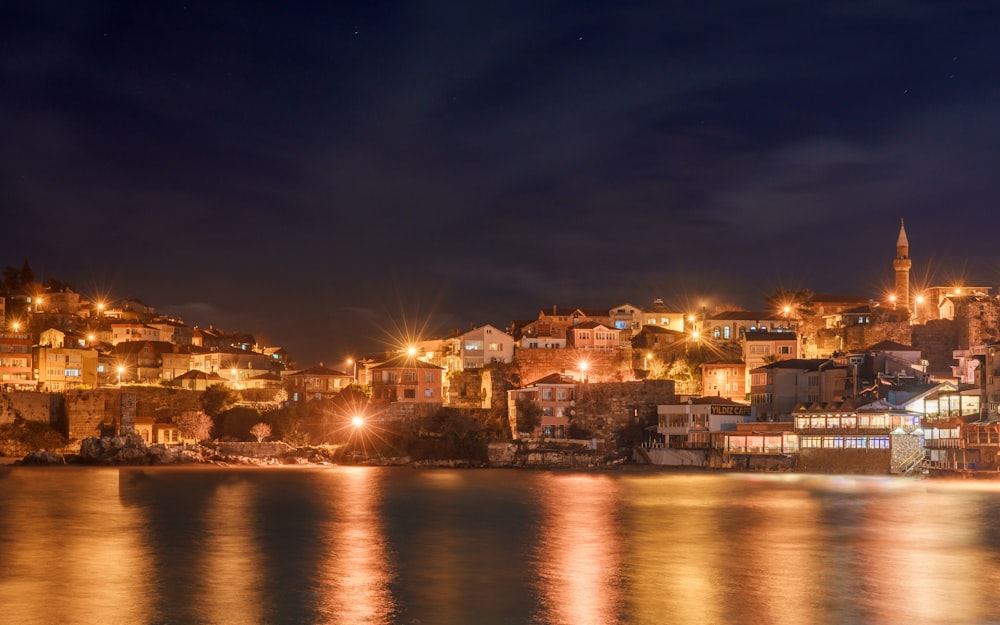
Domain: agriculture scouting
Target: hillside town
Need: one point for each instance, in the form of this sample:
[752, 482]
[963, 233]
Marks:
[898, 382]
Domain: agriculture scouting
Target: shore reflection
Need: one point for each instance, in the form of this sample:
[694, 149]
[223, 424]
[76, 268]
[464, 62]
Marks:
[355, 567]
[231, 564]
[71, 557]
[579, 551]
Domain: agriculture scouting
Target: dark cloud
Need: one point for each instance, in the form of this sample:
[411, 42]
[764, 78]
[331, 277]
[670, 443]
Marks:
[335, 174]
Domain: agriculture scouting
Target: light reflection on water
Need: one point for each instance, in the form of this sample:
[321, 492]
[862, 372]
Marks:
[578, 555]
[341, 546]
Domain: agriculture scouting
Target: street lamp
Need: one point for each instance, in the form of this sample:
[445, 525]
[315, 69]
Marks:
[916, 302]
[121, 370]
[357, 421]
[583, 370]
[354, 375]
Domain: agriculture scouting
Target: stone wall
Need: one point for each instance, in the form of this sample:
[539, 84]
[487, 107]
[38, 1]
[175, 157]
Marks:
[936, 340]
[603, 409]
[99, 411]
[977, 321]
[610, 366]
[845, 461]
[276, 449]
[402, 411]
[859, 337]
[465, 389]
[39, 407]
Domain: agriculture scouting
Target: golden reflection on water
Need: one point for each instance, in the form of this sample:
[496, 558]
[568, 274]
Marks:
[71, 556]
[230, 568]
[578, 553]
[921, 559]
[355, 568]
[673, 568]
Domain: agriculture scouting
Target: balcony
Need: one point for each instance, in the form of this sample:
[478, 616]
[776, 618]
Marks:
[942, 443]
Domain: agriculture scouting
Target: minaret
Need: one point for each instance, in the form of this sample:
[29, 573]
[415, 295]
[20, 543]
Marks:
[902, 265]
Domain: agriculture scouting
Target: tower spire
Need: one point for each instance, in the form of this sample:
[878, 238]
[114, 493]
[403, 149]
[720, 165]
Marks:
[902, 265]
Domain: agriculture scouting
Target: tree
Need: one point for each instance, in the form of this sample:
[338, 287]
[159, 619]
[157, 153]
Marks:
[260, 431]
[216, 399]
[529, 415]
[27, 275]
[196, 425]
[798, 304]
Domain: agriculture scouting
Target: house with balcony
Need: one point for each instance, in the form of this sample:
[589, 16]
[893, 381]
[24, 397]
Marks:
[485, 345]
[59, 369]
[592, 336]
[16, 366]
[554, 397]
[776, 388]
[405, 379]
[627, 319]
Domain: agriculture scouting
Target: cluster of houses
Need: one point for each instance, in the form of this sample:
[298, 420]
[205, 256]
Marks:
[903, 381]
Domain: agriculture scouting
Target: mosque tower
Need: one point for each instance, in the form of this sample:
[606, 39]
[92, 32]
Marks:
[902, 264]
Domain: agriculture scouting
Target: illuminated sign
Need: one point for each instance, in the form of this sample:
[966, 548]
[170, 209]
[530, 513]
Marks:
[731, 410]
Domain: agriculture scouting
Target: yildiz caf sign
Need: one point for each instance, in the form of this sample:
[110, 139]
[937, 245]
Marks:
[728, 409]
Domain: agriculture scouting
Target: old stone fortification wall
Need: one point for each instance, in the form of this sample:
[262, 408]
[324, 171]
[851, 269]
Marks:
[602, 366]
[977, 322]
[465, 389]
[936, 340]
[39, 407]
[93, 412]
[275, 449]
[603, 409]
[859, 337]
[402, 411]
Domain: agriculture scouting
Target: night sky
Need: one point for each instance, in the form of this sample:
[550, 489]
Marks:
[330, 174]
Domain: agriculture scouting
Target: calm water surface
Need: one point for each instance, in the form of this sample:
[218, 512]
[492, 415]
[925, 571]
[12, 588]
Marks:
[377, 546]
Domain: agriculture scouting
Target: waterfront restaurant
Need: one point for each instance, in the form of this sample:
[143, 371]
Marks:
[875, 437]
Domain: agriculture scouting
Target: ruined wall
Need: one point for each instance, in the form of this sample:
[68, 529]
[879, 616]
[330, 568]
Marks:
[39, 407]
[859, 337]
[977, 322]
[611, 366]
[936, 340]
[277, 449]
[99, 411]
[603, 409]
[465, 389]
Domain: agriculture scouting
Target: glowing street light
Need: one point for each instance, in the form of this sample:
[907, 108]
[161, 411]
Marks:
[411, 351]
[916, 302]
[121, 370]
[584, 365]
[354, 375]
[16, 326]
[357, 421]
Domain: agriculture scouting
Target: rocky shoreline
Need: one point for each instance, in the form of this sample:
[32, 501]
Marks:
[132, 450]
